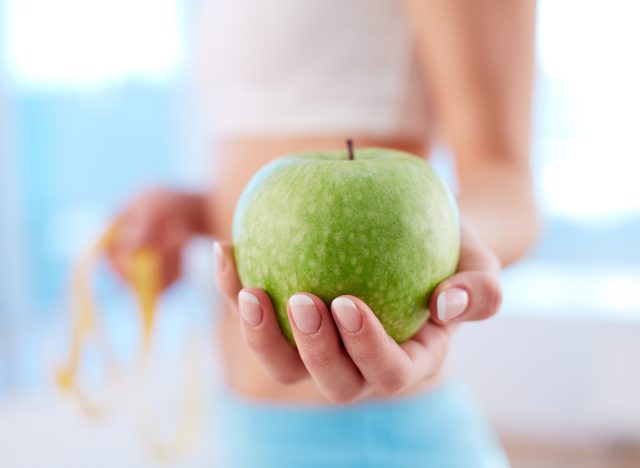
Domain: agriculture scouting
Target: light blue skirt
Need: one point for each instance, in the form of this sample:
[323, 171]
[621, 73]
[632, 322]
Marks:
[442, 428]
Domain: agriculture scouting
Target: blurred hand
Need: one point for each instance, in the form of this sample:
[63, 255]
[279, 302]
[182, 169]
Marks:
[370, 361]
[158, 219]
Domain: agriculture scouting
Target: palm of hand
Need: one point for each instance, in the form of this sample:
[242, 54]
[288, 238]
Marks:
[344, 348]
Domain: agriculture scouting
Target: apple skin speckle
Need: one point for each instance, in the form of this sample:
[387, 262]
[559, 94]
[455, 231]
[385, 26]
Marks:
[383, 227]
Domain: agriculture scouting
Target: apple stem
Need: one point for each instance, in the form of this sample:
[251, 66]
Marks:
[350, 148]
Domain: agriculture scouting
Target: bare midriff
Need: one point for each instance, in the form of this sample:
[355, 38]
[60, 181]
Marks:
[236, 161]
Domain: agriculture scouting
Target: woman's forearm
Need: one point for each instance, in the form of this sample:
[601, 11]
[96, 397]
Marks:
[478, 57]
[502, 209]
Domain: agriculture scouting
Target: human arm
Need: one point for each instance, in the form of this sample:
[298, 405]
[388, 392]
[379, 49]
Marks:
[478, 63]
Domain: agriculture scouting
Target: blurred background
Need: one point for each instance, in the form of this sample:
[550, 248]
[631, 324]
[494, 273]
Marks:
[96, 101]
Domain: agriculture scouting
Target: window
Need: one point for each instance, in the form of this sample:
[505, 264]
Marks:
[587, 161]
[91, 92]
[87, 88]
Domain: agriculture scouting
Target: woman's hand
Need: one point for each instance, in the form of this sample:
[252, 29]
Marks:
[161, 220]
[370, 361]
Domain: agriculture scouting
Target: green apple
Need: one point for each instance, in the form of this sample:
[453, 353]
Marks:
[378, 224]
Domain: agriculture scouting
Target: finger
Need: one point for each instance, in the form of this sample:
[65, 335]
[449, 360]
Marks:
[169, 247]
[225, 274]
[475, 254]
[119, 249]
[171, 267]
[132, 234]
[428, 348]
[173, 243]
[262, 333]
[473, 293]
[135, 231]
[384, 365]
[331, 368]
[466, 296]
[119, 262]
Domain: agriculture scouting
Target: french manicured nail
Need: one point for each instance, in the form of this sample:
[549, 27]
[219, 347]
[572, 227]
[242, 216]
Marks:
[305, 314]
[451, 303]
[219, 256]
[347, 314]
[250, 308]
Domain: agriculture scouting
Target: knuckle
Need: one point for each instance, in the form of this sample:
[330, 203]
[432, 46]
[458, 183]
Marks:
[440, 354]
[342, 396]
[441, 336]
[229, 298]
[230, 302]
[494, 297]
[260, 347]
[284, 377]
[318, 359]
[226, 288]
[393, 382]
[220, 287]
[365, 353]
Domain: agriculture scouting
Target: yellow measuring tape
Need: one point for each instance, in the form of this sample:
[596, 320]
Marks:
[144, 277]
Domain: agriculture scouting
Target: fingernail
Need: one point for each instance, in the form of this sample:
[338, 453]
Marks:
[305, 314]
[250, 309]
[218, 255]
[347, 314]
[451, 303]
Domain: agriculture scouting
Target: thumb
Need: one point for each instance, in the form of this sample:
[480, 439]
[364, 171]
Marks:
[226, 276]
[474, 292]
[466, 296]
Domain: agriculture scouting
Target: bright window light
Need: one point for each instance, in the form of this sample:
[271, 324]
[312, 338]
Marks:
[91, 43]
[560, 289]
[587, 146]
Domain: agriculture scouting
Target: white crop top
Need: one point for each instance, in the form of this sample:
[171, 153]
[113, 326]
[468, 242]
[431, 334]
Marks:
[311, 67]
